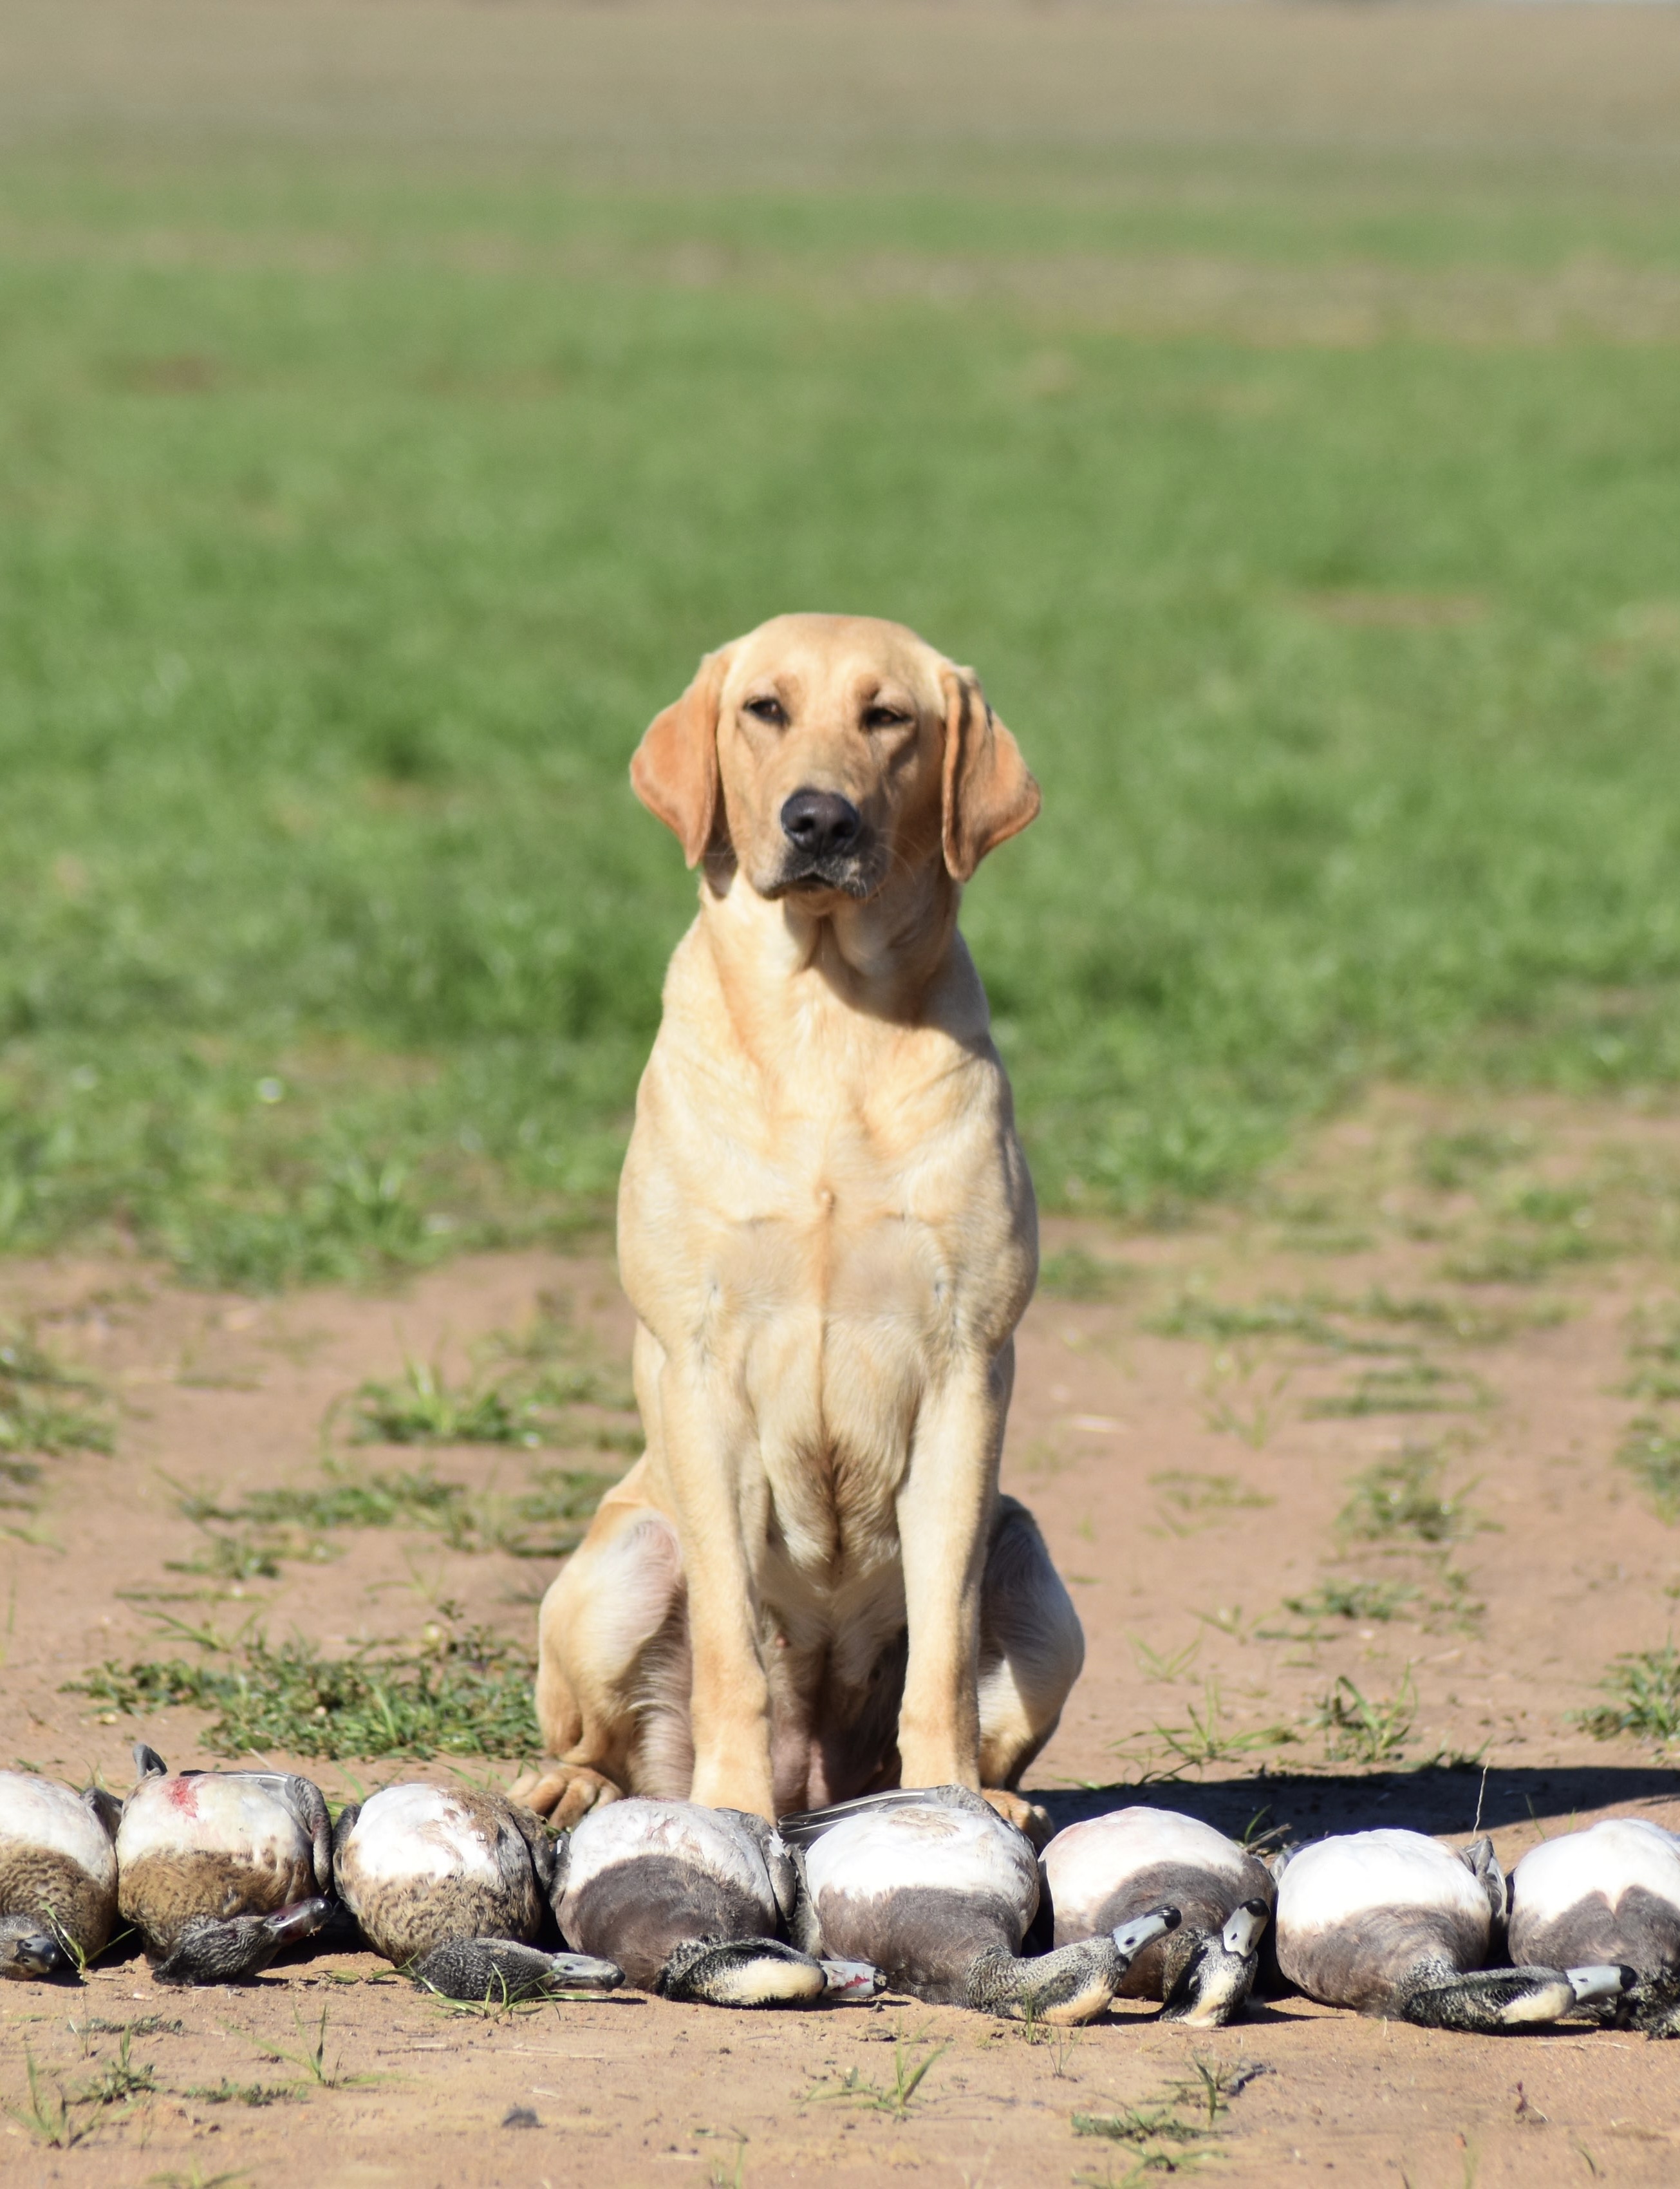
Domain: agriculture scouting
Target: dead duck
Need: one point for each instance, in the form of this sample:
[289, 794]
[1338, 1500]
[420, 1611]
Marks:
[58, 1874]
[453, 1885]
[1104, 1873]
[692, 1903]
[935, 1888]
[1389, 1922]
[218, 1869]
[1609, 1894]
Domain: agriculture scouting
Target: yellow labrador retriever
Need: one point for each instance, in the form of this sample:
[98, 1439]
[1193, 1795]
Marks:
[809, 1587]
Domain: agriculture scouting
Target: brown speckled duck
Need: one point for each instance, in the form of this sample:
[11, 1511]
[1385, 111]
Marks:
[58, 1874]
[453, 1885]
[218, 1869]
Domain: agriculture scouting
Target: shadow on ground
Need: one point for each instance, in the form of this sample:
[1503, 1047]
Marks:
[1439, 1801]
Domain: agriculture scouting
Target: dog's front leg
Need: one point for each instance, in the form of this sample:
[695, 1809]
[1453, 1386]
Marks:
[709, 1462]
[944, 1518]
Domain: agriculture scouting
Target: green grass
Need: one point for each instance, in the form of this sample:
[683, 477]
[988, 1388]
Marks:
[1644, 1692]
[1404, 1499]
[544, 1519]
[468, 1694]
[363, 499]
[1650, 1452]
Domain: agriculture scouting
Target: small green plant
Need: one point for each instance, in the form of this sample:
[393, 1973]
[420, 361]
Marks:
[44, 1409]
[896, 2097]
[1141, 2126]
[1205, 1737]
[1651, 1454]
[464, 1692]
[1404, 1496]
[1359, 1602]
[544, 1521]
[45, 2114]
[1204, 1498]
[311, 2056]
[120, 2079]
[1643, 1688]
[1163, 1665]
[1418, 1387]
[1359, 1729]
[226, 2093]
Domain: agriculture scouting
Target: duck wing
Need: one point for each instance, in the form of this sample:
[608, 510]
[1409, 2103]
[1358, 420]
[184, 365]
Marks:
[805, 1825]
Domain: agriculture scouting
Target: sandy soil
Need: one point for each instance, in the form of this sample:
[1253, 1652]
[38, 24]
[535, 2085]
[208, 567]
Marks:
[1189, 1487]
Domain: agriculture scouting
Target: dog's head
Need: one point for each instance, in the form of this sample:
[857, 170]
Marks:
[823, 755]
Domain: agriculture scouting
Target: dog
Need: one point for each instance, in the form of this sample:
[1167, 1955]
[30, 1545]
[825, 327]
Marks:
[809, 1587]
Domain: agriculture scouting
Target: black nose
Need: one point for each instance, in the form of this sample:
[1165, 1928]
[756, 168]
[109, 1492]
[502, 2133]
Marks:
[819, 821]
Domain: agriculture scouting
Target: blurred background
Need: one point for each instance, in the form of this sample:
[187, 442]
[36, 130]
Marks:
[1279, 405]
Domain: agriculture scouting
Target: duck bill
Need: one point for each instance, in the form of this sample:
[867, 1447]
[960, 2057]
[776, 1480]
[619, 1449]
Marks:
[585, 1972]
[1130, 1939]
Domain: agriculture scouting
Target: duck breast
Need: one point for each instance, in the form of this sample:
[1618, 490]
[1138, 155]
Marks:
[57, 1873]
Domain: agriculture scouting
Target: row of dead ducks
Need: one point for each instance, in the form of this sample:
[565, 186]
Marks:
[926, 1892]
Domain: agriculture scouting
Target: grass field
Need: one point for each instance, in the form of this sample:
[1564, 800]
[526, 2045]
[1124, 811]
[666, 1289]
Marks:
[395, 402]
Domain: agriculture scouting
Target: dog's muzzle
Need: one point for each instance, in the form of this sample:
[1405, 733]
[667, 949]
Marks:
[828, 847]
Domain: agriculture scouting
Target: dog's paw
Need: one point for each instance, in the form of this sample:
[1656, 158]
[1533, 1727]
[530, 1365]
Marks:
[564, 1793]
[1026, 1816]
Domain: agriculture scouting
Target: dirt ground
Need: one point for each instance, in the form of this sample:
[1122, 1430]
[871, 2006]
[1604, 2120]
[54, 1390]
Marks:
[1193, 1473]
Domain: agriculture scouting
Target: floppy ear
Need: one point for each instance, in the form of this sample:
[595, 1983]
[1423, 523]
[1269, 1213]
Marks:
[674, 770]
[989, 795]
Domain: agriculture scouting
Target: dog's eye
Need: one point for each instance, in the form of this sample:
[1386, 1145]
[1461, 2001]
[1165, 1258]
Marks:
[767, 710]
[885, 718]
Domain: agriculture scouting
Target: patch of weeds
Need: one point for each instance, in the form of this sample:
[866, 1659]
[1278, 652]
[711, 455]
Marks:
[1656, 1346]
[1404, 1496]
[464, 1692]
[1075, 1274]
[311, 2057]
[1359, 1729]
[1651, 1454]
[547, 1520]
[1536, 1229]
[1418, 1387]
[1449, 1162]
[1643, 1688]
[527, 1401]
[423, 1407]
[895, 2097]
[1163, 1665]
[1363, 1602]
[45, 2114]
[1194, 1316]
[1141, 2125]
[1215, 2083]
[143, 2025]
[120, 2079]
[225, 2093]
[1467, 1321]
[1206, 1738]
[1203, 1499]
[45, 1413]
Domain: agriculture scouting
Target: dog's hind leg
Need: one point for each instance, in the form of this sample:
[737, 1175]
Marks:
[613, 1671]
[1031, 1647]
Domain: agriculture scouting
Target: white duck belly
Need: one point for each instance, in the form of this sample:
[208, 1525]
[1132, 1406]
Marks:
[922, 1891]
[215, 1844]
[1103, 1873]
[1610, 1893]
[56, 1861]
[643, 1877]
[1358, 1915]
